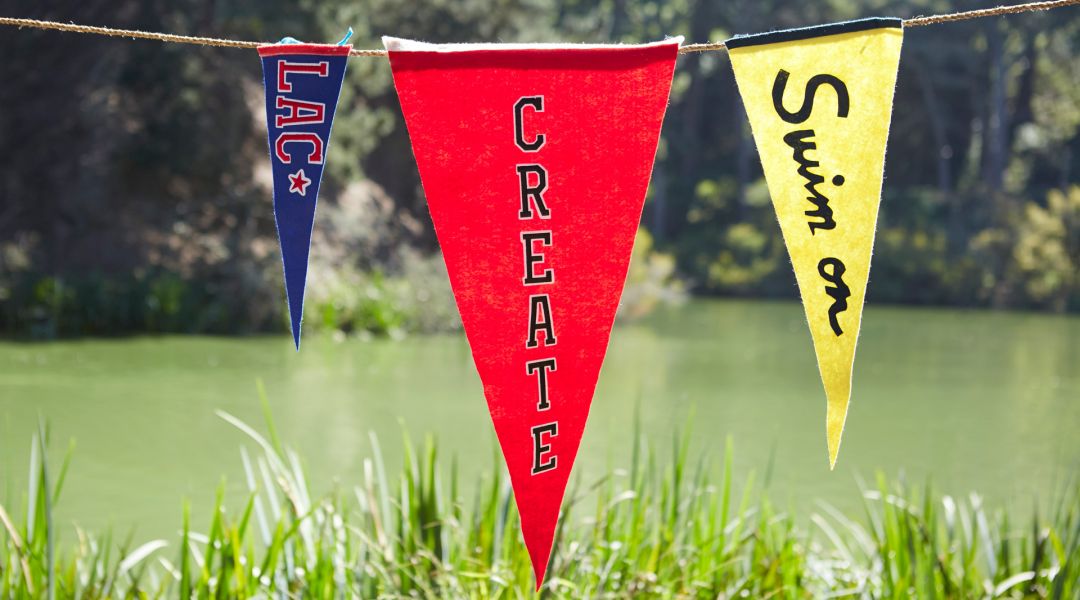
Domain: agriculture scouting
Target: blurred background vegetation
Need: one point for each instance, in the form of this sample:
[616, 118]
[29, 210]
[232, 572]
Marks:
[134, 194]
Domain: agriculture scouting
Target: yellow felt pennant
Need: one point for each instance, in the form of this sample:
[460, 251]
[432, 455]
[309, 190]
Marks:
[819, 102]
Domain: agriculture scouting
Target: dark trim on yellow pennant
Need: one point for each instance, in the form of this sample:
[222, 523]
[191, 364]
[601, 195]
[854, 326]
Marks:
[803, 33]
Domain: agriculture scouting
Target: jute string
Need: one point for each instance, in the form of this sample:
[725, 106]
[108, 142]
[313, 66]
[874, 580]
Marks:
[686, 49]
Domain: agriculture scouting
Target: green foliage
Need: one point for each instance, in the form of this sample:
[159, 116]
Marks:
[658, 529]
[44, 307]
[1046, 256]
[650, 280]
[417, 299]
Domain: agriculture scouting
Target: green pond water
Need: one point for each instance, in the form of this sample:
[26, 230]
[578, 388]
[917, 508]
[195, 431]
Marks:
[976, 401]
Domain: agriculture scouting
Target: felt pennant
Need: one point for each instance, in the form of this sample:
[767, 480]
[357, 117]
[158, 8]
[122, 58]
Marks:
[302, 83]
[535, 160]
[819, 101]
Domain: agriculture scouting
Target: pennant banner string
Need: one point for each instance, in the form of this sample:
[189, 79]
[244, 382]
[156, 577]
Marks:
[686, 49]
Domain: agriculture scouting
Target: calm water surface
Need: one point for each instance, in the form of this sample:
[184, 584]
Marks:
[975, 401]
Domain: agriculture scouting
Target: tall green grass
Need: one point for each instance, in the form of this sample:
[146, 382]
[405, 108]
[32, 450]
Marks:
[662, 527]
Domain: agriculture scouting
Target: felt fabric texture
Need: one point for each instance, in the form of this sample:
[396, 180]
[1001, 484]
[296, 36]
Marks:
[819, 102]
[535, 161]
[302, 83]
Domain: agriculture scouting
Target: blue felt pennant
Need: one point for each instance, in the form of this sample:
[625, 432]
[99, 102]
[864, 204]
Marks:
[302, 83]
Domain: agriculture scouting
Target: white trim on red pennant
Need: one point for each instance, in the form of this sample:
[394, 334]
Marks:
[394, 44]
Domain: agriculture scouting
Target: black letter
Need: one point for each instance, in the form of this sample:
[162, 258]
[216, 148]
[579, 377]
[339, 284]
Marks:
[540, 448]
[532, 257]
[535, 192]
[541, 367]
[839, 291]
[800, 142]
[538, 304]
[537, 102]
[808, 96]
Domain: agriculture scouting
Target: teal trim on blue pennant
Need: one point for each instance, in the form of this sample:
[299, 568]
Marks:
[292, 40]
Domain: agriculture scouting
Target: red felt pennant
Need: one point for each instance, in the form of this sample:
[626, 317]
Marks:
[535, 161]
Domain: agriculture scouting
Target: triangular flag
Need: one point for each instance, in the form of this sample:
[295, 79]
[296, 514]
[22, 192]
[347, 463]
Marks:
[819, 101]
[302, 83]
[535, 160]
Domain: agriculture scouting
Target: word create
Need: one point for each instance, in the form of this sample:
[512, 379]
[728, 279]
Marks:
[801, 141]
[299, 113]
[532, 180]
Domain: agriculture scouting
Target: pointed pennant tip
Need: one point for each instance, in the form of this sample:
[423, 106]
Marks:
[835, 416]
[294, 261]
[539, 565]
[296, 307]
[538, 531]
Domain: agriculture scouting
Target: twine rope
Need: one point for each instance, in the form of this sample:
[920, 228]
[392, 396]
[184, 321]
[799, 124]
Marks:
[685, 49]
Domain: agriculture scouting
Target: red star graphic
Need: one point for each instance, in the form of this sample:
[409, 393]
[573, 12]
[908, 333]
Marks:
[298, 182]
